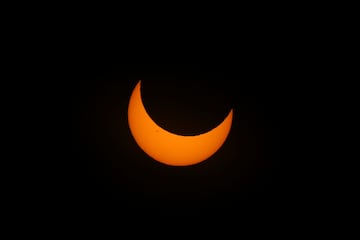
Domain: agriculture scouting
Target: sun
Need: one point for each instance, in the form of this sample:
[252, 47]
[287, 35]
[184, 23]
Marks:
[169, 148]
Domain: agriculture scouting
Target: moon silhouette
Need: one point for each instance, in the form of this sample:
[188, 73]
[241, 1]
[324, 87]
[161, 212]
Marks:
[169, 148]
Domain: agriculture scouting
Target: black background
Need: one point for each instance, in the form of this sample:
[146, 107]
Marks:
[254, 171]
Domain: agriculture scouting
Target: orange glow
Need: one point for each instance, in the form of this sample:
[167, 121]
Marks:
[169, 148]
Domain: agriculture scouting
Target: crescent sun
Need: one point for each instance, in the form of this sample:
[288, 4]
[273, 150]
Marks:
[169, 148]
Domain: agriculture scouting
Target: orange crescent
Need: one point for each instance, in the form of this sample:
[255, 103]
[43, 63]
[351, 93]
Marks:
[170, 148]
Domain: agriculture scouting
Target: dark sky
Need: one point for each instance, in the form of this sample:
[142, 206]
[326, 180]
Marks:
[253, 171]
